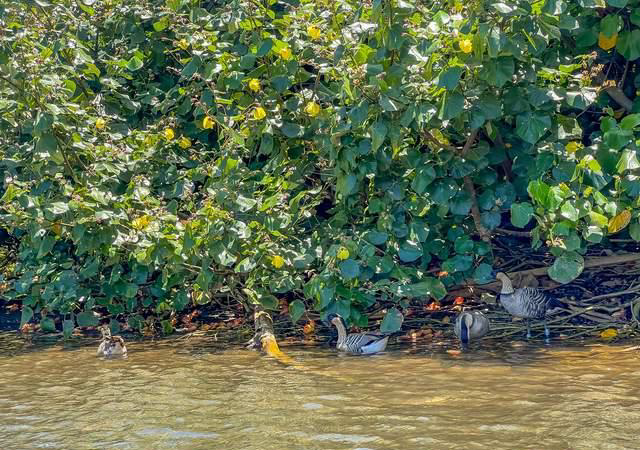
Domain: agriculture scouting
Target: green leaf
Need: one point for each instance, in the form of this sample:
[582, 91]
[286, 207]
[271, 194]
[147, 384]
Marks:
[48, 325]
[532, 126]
[629, 44]
[409, 251]
[349, 269]
[425, 175]
[26, 316]
[634, 231]
[67, 328]
[376, 237]
[617, 3]
[451, 106]
[628, 161]
[569, 211]
[296, 310]
[378, 132]
[630, 122]
[521, 214]
[566, 268]
[134, 64]
[392, 321]
[449, 78]
[483, 273]
[46, 245]
[497, 72]
[291, 130]
[87, 319]
[388, 104]
[192, 67]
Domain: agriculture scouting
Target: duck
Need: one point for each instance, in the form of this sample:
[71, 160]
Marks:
[362, 343]
[471, 325]
[527, 302]
[111, 345]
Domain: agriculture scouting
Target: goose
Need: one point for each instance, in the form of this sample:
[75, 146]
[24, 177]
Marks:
[471, 325]
[527, 303]
[364, 343]
[111, 345]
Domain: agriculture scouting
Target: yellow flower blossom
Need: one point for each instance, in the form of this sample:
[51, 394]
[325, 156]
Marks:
[100, 123]
[343, 253]
[314, 32]
[169, 133]
[312, 109]
[259, 113]
[207, 123]
[607, 43]
[277, 261]
[254, 84]
[285, 54]
[466, 45]
[185, 142]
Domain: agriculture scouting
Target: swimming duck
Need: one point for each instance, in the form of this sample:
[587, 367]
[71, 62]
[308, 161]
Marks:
[365, 343]
[471, 325]
[111, 345]
[527, 303]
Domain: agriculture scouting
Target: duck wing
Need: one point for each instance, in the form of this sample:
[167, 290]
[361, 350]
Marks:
[355, 341]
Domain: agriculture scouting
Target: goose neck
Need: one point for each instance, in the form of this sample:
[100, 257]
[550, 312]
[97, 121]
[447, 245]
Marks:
[342, 331]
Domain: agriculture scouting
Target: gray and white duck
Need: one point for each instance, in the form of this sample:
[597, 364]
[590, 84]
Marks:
[471, 325]
[111, 345]
[362, 343]
[527, 303]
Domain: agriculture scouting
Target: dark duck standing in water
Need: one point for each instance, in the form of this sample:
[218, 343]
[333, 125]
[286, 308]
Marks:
[365, 343]
[471, 325]
[527, 303]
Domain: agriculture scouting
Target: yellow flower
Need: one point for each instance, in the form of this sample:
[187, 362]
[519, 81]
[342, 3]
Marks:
[285, 54]
[169, 133]
[141, 222]
[609, 333]
[607, 43]
[572, 147]
[466, 45]
[207, 123]
[277, 261]
[254, 84]
[314, 32]
[259, 113]
[100, 123]
[343, 253]
[183, 44]
[312, 108]
[185, 142]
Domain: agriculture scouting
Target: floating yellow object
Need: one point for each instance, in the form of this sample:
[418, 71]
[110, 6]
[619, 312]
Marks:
[312, 109]
[343, 253]
[259, 113]
[607, 43]
[466, 45]
[254, 84]
[609, 333]
[169, 133]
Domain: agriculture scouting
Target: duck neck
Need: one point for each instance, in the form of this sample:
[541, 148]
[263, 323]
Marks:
[342, 332]
[507, 287]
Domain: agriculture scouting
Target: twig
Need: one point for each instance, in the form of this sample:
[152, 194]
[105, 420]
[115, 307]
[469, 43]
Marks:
[619, 97]
[513, 232]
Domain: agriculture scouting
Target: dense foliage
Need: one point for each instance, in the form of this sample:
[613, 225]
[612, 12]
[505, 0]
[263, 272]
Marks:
[333, 153]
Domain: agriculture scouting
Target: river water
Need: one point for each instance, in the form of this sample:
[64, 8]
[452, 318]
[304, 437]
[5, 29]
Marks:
[196, 394]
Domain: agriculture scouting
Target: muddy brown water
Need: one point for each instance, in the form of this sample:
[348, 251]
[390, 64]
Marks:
[198, 394]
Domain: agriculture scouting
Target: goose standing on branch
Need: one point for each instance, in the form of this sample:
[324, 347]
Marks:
[527, 303]
[111, 345]
[365, 343]
[471, 325]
